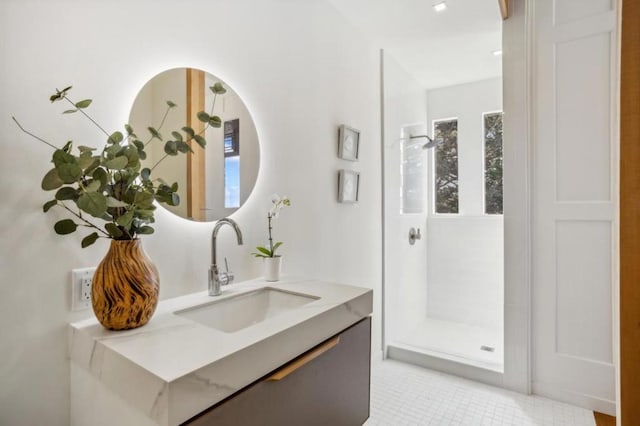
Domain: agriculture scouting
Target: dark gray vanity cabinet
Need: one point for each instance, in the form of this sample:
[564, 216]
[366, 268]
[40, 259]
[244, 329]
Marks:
[328, 385]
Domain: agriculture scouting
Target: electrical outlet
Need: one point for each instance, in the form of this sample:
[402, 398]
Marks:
[81, 280]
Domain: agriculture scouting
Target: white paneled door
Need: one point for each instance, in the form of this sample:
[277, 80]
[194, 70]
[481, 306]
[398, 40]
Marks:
[575, 201]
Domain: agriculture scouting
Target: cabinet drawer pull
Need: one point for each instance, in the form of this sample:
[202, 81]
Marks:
[305, 359]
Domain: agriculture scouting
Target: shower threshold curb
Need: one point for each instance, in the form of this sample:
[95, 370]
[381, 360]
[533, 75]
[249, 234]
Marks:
[445, 363]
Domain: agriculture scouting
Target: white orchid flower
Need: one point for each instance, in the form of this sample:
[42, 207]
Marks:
[277, 203]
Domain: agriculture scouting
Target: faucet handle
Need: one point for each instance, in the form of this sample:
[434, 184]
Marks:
[226, 277]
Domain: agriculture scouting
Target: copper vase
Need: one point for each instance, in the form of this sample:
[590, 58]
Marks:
[125, 288]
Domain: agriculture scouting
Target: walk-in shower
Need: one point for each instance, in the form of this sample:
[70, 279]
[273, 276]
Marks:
[444, 292]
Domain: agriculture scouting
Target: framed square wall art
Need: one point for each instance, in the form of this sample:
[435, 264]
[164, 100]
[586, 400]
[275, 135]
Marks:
[348, 186]
[348, 143]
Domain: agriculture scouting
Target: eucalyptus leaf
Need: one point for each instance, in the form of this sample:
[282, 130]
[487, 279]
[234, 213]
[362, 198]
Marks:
[218, 89]
[171, 104]
[85, 162]
[70, 111]
[101, 175]
[96, 163]
[51, 181]
[171, 148]
[154, 133]
[67, 147]
[189, 131]
[113, 150]
[93, 186]
[115, 137]
[89, 239]
[131, 152]
[183, 147]
[69, 173]
[177, 136]
[129, 129]
[138, 144]
[94, 203]
[113, 230]
[145, 230]
[146, 214]
[66, 193]
[203, 116]
[143, 200]
[83, 104]
[48, 205]
[60, 94]
[61, 157]
[215, 122]
[200, 140]
[117, 163]
[145, 173]
[83, 148]
[65, 226]
[126, 219]
[113, 202]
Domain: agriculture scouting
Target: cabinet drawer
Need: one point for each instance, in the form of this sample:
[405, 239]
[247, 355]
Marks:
[328, 385]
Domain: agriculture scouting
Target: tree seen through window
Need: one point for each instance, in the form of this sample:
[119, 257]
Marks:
[493, 163]
[446, 166]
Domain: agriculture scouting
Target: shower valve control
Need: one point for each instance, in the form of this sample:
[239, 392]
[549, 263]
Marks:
[414, 234]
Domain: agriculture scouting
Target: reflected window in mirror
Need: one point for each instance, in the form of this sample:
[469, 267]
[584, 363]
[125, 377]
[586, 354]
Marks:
[232, 164]
[212, 184]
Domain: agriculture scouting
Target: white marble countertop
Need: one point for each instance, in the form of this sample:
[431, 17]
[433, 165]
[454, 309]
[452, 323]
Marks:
[173, 367]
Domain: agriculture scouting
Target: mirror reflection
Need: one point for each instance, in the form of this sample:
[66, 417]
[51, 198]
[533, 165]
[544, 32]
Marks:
[212, 182]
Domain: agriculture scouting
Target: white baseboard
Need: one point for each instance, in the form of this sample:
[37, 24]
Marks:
[581, 400]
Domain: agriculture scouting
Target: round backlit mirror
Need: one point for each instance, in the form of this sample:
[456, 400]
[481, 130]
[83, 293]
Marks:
[212, 182]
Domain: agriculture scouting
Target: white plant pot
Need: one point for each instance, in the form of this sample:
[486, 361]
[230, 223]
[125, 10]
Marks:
[272, 267]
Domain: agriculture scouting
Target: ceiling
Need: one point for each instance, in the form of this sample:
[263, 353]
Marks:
[439, 49]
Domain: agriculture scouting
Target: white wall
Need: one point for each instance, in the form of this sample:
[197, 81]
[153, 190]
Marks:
[405, 108]
[465, 252]
[301, 71]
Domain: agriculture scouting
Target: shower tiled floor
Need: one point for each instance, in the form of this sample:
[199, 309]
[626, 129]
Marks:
[456, 341]
[403, 394]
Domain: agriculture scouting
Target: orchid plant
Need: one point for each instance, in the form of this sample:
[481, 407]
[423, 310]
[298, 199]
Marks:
[277, 203]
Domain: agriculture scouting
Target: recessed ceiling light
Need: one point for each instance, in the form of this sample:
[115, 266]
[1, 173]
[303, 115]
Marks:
[497, 53]
[439, 7]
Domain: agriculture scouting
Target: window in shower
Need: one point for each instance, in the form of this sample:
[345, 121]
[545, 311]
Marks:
[493, 163]
[232, 164]
[446, 166]
[412, 171]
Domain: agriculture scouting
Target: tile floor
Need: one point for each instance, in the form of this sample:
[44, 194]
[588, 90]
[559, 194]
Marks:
[403, 394]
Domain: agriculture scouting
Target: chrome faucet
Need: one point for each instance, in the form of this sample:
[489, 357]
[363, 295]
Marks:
[217, 278]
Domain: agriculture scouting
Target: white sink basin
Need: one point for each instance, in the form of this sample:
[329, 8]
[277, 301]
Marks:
[244, 310]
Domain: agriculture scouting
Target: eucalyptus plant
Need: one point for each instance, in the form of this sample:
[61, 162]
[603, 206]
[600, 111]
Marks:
[110, 185]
